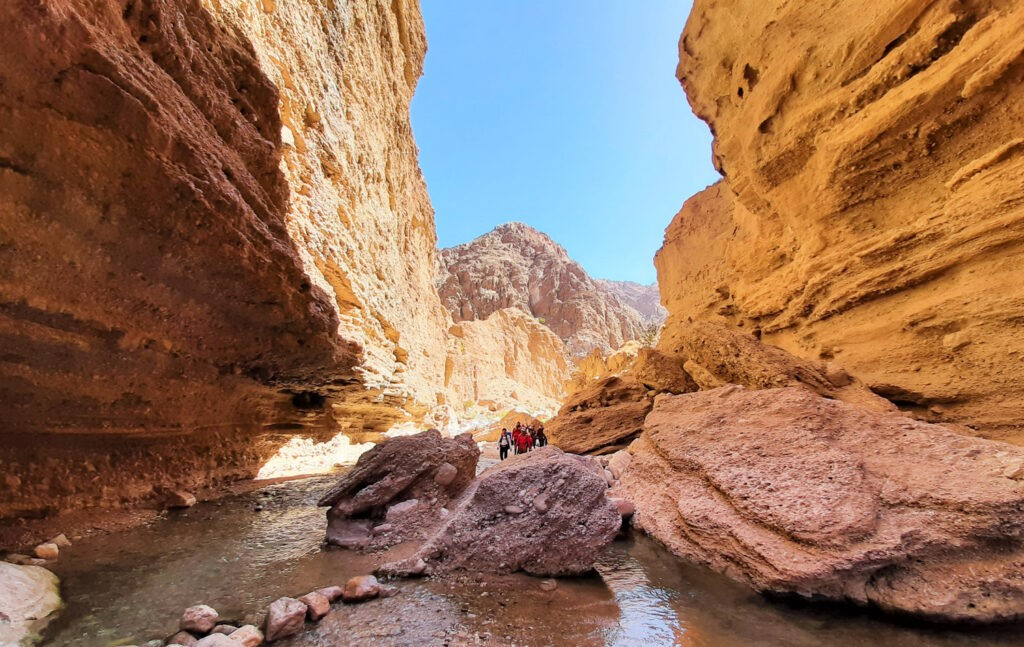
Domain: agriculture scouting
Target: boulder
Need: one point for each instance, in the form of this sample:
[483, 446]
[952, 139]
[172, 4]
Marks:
[793, 493]
[248, 636]
[496, 526]
[361, 587]
[606, 415]
[399, 470]
[27, 595]
[285, 617]
[199, 619]
[47, 551]
[317, 605]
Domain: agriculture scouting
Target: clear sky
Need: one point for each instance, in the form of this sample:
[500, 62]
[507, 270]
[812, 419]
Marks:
[565, 115]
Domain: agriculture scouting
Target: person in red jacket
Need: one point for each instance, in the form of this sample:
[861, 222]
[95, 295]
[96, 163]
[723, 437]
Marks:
[524, 443]
[517, 434]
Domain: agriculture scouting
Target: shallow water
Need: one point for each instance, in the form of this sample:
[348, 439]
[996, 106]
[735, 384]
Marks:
[130, 587]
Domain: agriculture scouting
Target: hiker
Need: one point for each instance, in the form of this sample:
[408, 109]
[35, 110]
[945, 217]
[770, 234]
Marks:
[504, 442]
[533, 437]
[517, 433]
[542, 438]
[523, 444]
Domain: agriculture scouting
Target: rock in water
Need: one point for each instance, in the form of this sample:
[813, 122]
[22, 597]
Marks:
[285, 617]
[27, 595]
[564, 537]
[794, 493]
[396, 471]
[317, 605]
[200, 619]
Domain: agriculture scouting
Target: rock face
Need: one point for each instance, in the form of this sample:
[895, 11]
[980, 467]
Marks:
[645, 299]
[516, 266]
[544, 513]
[508, 359]
[397, 490]
[793, 493]
[28, 595]
[871, 209]
[206, 215]
[604, 417]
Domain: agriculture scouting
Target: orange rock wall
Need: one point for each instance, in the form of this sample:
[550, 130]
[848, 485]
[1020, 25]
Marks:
[871, 212]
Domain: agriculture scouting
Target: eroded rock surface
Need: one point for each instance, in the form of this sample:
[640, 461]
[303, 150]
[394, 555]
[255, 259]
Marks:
[28, 594]
[508, 359]
[544, 513]
[871, 210]
[516, 266]
[794, 493]
[398, 489]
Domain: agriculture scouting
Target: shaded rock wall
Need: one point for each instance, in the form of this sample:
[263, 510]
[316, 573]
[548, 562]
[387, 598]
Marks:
[871, 211]
[213, 227]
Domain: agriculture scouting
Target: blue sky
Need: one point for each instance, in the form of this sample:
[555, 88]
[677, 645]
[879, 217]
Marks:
[565, 115]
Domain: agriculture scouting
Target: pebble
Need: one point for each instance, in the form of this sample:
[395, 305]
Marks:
[61, 541]
[513, 509]
[548, 585]
[200, 618]
[47, 551]
[317, 605]
[248, 636]
[361, 587]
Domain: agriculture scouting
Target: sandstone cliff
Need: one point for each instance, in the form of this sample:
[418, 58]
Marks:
[516, 266]
[871, 211]
[508, 359]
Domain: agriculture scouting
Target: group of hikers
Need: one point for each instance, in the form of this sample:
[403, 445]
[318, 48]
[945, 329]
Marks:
[521, 439]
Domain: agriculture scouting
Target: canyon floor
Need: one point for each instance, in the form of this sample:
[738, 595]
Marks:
[129, 586]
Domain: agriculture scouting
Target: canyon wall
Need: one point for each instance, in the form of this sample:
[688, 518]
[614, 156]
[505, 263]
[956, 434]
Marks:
[871, 212]
[214, 235]
[516, 266]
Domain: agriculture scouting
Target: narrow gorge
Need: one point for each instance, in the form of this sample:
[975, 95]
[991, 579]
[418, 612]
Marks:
[216, 242]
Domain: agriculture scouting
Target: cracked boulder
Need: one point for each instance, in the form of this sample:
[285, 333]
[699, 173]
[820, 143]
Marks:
[544, 513]
[399, 489]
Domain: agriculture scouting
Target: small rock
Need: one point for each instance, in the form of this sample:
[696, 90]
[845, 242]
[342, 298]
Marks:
[47, 551]
[200, 619]
[61, 541]
[332, 593]
[361, 587]
[216, 640]
[513, 509]
[248, 636]
[227, 630]
[397, 510]
[548, 585]
[257, 508]
[285, 617]
[382, 528]
[183, 638]
[446, 473]
[181, 499]
[317, 605]
[540, 504]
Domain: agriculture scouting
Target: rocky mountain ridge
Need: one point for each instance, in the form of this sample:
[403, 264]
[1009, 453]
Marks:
[516, 266]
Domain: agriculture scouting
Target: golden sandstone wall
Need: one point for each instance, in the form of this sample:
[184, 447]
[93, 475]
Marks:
[214, 235]
[871, 212]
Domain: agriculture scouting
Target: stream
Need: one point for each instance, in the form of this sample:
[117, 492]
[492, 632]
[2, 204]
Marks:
[129, 587]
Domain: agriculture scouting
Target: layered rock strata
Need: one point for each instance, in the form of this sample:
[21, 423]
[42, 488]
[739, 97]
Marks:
[516, 266]
[871, 210]
[794, 493]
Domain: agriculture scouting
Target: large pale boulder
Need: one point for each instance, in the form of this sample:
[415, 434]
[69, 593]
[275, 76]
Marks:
[790, 492]
[28, 594]
[544, 513]
[398, 489]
